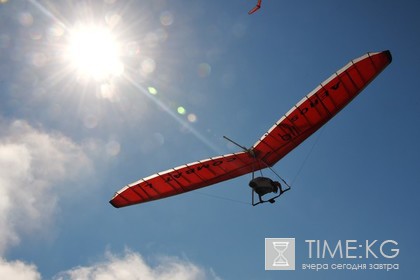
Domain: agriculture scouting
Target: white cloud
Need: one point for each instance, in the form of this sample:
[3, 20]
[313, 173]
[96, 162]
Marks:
[18, 270]
[132, 266]
[33, 166]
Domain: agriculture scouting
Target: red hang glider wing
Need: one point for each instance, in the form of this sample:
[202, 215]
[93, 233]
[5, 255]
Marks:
[185, 178]
[319, 106]
[313, 111]
[256, 8]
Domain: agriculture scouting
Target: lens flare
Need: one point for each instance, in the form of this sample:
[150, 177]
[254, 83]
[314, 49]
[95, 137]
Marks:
[152, 90]
[181, 110]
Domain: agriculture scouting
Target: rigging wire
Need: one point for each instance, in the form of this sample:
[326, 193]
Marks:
[308, 155]
[272, 170]
[301, 166]
[269, 167]
[222, 198]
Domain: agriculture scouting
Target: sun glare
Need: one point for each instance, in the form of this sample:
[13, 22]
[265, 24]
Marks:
[94, 53]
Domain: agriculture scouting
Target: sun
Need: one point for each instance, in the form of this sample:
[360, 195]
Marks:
[94, 52]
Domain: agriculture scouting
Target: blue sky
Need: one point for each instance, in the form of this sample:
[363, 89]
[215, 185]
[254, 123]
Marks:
[193, 72]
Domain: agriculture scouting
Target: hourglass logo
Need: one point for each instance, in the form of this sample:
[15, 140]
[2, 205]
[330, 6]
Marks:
[279, 254]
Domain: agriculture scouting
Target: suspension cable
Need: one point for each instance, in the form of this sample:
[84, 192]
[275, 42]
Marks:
[221, 197]
[272, 170]
[308, 155]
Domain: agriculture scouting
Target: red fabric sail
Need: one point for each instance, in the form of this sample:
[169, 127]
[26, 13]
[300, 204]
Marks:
[185, 178]
[256, 8]
[307, 116]
[319, 106]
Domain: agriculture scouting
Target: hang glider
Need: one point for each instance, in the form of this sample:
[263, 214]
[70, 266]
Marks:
[306, 117]
[256, 8]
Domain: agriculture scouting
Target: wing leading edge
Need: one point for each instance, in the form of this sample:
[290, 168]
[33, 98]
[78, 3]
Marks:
[306, 117]
[319, 106]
